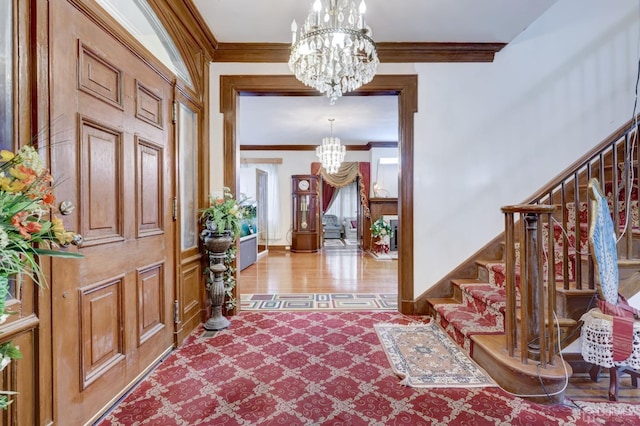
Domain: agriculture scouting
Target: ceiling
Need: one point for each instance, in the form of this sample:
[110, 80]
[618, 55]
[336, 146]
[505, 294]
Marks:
[268, 120]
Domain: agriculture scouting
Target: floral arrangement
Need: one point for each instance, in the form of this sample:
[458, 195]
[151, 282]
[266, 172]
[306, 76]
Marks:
[380, 228]
[26, 231]
[223, 214]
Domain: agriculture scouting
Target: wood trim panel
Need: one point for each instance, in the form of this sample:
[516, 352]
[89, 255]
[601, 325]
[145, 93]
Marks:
[98, 77]
[193, 39]
[150, 310]
[389, 144]
[387, 52]
[20, 376]
[191, 298]
[31, 111]
[148, 105]
[101, 329]
[101, 183]
[283, 147]
[437, 52]
[261, 160]
[404, 86]
[149, 188]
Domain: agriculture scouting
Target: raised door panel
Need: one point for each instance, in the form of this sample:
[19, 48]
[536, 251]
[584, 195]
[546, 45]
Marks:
[191, 292]
[102, 340]
[98, 77]
[100, 183]
[148, 105]
[149, 188]
[150, 308]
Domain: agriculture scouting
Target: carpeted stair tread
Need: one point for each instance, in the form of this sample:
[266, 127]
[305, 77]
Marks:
[488, 296]
[470, 321]
[461, 322]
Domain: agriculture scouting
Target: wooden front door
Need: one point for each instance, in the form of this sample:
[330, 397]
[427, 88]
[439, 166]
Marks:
[112, 154]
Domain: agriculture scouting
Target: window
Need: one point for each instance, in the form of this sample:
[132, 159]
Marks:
[188, 148]
[137, 17]
[6, 75]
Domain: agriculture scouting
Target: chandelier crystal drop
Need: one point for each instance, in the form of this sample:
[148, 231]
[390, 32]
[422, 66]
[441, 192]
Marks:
[331, 153]
[333, 51]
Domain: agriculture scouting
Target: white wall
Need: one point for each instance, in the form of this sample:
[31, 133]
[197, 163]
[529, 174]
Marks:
[491, 134]
[293, 163]
[247, 177]
[385, 175]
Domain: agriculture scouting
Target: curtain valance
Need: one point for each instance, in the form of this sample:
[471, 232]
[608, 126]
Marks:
[348, 172]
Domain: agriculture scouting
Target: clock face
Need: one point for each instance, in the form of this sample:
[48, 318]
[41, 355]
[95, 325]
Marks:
[303, 185]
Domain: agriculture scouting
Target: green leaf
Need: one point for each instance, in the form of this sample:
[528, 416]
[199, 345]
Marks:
[57, 253]
[13, 352]
[4, 402]
[8, 350]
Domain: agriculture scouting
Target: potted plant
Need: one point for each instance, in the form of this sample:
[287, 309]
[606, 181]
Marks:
[223, 214]
[27, 231]
[381, 232]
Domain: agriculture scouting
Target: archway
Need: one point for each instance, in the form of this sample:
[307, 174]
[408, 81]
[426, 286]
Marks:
[406, 89]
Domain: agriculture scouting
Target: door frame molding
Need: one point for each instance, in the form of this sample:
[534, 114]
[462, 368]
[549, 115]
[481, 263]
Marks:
[404, 86]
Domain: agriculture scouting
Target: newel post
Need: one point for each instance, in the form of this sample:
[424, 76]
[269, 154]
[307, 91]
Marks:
[535, 337]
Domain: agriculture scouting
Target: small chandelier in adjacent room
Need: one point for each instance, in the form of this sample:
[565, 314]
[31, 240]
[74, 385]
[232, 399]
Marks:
[331, 153]
[334, 52]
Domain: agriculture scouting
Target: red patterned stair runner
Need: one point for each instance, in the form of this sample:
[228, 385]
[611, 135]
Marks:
[482, 308]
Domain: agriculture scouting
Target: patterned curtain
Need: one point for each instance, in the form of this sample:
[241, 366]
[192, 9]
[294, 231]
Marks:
[348, 172]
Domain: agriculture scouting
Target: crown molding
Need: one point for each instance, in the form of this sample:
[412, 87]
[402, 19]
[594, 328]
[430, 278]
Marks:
[389, 144]
[299, 147]
[387, 52]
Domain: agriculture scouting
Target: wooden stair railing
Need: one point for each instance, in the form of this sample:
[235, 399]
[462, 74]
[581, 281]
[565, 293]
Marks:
[491, 300]
[537, 337]
[615, 163]
[562, 208]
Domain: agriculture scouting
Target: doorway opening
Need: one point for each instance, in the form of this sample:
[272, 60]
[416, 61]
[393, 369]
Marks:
[404, 86]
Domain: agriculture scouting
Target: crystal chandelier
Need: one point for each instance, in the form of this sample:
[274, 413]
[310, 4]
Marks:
[334, 52]
[331, 153]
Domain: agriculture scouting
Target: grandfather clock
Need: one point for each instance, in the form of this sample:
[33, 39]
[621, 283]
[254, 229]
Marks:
[306, 214]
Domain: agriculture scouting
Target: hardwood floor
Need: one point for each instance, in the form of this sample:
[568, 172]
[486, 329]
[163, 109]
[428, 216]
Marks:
[347, 269]
[333, 269]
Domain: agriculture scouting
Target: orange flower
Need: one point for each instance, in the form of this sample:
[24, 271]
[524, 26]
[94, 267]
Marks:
[24, 226]
[26, 174]
[49, 199]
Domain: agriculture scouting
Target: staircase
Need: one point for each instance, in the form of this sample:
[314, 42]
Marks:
[480, 303]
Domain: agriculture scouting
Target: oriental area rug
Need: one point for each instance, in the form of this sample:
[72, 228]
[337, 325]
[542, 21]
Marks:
[319, 368]
[424, 356]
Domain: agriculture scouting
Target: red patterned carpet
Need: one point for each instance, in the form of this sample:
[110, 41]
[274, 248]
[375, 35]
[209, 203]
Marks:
[320, 368]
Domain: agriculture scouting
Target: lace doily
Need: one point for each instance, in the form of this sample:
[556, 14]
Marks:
[597, 342]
